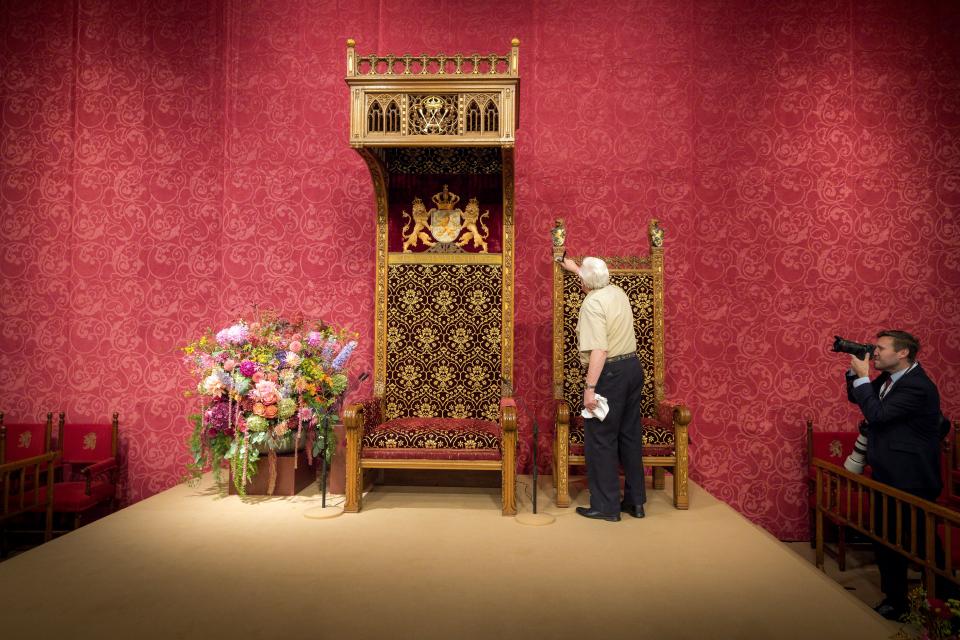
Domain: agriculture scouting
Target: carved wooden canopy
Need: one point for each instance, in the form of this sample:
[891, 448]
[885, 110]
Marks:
[433, 100]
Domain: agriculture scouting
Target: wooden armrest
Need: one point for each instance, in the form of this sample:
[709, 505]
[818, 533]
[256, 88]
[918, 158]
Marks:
[563, 413]
[678, 412]
[99, 468]
[96, 469]
[363, 415]
[508, 415]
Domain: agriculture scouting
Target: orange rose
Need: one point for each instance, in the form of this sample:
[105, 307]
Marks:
[270, 412]
[260, 409]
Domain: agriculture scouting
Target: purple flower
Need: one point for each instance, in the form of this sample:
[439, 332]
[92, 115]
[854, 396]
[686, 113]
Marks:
[343, 356]
[247, 368]
[328, 348]
[218, 417]
[314, 338]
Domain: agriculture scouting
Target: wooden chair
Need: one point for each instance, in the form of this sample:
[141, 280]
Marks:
[439, 408]
[665, 422]
[834, 447]
[443, 345]
[26, 463]
[88, 453]
[950, 468]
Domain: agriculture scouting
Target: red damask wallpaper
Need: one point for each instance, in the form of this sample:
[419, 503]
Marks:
[167, 164]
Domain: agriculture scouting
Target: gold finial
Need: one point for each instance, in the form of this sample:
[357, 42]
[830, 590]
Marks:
[445, 200]
[559, 233]
[515, 42]
[351, 42]
[656, 233]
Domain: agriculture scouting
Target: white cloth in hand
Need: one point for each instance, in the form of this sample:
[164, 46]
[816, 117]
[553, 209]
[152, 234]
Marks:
[600, 412]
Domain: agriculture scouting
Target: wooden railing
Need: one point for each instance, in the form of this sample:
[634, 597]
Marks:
[840, 496]
[458, 64]
[20, 484]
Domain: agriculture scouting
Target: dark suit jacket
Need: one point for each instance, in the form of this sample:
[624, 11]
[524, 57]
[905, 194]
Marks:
[903, 436]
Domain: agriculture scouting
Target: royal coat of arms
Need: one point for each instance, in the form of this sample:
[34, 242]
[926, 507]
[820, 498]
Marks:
[445, 228]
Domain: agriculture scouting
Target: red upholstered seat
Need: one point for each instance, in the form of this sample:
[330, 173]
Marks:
[657, 441]
[433, 439]
[71, 497]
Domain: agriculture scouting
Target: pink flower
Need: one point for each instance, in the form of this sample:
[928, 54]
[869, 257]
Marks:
[257, 376]
[295, 346]
[229, 364]
[266, 392]
[305, 413]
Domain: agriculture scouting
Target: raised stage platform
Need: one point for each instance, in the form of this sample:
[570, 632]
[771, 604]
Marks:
[421, 563]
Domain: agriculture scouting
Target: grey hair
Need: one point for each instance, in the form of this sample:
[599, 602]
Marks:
[594, 273]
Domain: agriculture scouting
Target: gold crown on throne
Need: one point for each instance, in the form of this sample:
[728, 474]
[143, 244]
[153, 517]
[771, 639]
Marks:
[446, 199]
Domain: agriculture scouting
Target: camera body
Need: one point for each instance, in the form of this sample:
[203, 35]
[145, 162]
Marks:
[859, 349]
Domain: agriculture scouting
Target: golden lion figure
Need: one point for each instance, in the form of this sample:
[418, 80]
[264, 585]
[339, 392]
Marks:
[471, 216]
[420, 224]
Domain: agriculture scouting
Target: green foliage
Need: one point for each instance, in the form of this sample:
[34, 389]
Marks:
[195, 445]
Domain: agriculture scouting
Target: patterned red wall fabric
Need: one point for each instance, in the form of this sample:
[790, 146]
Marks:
[165, 165]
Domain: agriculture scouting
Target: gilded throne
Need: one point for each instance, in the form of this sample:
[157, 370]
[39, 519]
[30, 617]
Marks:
[437, 135]
[665, 422]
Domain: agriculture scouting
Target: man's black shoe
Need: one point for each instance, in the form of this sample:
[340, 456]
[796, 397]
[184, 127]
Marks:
[890, 611]
[587, 512]
[635, 510]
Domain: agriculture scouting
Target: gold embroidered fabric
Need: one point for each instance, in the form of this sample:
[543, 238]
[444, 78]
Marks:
[656, 440]
[639, 288]
[433, 433]
[443, 341]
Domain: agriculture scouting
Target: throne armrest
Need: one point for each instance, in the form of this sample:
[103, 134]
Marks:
[508, 415]
[562, 430]
[673, 414]
[363, 415]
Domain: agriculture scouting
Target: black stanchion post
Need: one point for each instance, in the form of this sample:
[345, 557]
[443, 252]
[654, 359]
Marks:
[323, 464]
[536, 433]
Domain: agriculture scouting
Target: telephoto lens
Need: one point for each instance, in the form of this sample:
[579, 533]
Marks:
[858, 349]
[858, 457]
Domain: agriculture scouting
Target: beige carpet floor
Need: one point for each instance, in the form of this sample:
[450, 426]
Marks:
[421, 563]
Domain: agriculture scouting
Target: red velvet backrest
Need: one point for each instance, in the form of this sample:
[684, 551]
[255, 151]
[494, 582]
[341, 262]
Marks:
[24, 440]
[87, 443]
[830, 446]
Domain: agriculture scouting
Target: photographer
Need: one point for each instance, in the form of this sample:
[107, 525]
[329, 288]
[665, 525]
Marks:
[901, 408]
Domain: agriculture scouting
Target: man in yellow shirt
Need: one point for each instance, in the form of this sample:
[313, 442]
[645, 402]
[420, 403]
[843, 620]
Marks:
[608, 347]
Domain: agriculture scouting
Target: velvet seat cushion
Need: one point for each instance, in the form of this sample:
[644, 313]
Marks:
[71, 497]
[657, 441]
[433, 439]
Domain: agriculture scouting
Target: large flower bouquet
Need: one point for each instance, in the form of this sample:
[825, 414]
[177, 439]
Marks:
[266, 385]
[930, 618]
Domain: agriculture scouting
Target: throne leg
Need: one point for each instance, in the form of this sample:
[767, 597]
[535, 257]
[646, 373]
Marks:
[508, 493]
[659, 477]
[354, 479]
[561, 464]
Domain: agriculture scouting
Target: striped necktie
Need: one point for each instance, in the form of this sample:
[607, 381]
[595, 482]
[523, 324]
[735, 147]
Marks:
[886, 388]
